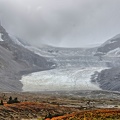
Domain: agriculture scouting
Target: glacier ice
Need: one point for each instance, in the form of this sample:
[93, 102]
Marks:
[60, 79]
[73, 72]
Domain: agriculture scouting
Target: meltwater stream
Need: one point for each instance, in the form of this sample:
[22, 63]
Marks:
[73, 72]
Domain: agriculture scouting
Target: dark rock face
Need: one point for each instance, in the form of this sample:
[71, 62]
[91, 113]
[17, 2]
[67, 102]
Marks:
[115, 43]
[109, 79]
[108, 46]
[15, 61]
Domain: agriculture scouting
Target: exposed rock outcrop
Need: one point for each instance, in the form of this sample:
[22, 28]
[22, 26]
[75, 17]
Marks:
[109, 79]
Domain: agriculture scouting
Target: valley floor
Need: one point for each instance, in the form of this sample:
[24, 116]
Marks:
[76, 105]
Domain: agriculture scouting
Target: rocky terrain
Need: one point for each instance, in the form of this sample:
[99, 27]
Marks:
[15, 61]
[79, 105]
[110, 48]
[109, 79]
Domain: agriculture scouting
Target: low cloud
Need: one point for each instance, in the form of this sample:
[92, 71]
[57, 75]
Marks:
[66, 23]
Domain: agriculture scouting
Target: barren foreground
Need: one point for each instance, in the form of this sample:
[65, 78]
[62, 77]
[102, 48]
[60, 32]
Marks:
[84, 105]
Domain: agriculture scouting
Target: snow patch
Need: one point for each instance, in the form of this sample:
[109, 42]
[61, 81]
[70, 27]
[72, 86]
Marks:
[110, 42]
[115, 52]
[1, 37]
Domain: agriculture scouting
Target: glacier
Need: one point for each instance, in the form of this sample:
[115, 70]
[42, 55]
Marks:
[74, 68]
[60, 79]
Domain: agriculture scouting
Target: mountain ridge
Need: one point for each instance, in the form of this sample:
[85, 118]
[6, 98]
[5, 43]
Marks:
[15, 61]
[18, 58]
[109, 79]
[110, 46]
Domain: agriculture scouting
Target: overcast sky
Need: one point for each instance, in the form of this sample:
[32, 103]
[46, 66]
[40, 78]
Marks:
[65, 23]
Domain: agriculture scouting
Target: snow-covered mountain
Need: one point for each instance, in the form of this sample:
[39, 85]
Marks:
[110, 79]
[76, 69]
[15, 61]
[94, 68]
[110, 48]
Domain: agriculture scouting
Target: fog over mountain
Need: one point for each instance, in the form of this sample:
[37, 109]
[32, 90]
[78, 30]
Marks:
[65, 23]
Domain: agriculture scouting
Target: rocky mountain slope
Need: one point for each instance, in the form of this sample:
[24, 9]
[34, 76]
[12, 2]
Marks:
[15, 61]
[110, 47]
[110, 79]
